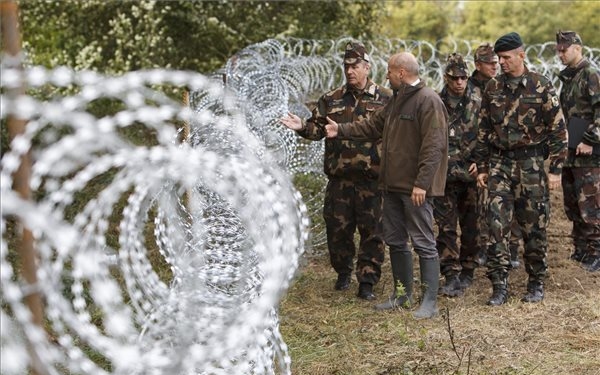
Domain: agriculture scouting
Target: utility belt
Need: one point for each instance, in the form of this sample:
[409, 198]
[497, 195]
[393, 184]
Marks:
[523, 153]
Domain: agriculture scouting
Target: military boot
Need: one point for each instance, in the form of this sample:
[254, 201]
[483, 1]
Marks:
[452, 287]
[499, 294]
[466, 278]
[402, 270]
[514, 256]
[535, 292]
[343, 281]
[430, 282]
[591, 263]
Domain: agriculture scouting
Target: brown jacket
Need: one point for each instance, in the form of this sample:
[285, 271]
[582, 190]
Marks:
[414, 131]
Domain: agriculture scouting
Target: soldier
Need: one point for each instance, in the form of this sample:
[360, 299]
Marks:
[414, 162]
[520, 125]
[486, 67]
[580, 101]
[352, 199]
[459, 203]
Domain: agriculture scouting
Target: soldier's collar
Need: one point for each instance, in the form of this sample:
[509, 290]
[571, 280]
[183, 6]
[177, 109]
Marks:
[369, 89]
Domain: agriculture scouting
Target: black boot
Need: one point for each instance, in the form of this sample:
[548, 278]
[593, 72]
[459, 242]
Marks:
[466, 278]
[402, 269]
[591, 263]
[343, 281]
[514, 255]
[365, 291]
[452, 287]
[430, 282]
[535, 292]
[499, 295]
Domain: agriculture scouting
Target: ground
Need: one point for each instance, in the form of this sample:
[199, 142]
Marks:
[331, 332]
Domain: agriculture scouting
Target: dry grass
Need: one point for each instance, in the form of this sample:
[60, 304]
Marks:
[330, 332]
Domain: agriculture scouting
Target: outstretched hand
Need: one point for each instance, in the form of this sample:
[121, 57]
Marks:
[291, 121]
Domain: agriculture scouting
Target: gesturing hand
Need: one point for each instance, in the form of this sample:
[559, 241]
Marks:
[291, 121]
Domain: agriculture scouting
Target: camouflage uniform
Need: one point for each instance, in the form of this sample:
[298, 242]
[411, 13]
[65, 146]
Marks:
[352, 197]
[485, 53]
[580, 98]
[518, 128]
[459, 204]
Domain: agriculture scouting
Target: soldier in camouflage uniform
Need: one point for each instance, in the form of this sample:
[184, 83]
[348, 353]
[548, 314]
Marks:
[520, 125]
[580, 101]
[458, 206]
[352, 197]
[486, 68]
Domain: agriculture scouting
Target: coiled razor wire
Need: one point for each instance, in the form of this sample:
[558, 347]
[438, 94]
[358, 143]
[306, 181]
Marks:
[226, 222]
[218, 212]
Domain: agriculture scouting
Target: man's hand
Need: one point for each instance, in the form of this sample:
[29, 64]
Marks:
[553, 181]
[331, 128]
[473, 170]
[418, 196]
[482, 180]
[583, 149]
[291, 121]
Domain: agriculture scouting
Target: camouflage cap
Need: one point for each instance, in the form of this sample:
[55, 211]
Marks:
[567, 38]
[485, 53]
[456, 66]
[355, 52]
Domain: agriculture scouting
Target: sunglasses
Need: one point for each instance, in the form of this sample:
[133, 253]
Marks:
[457, 78]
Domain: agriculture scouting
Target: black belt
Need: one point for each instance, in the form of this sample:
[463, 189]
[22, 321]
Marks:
[522, 152]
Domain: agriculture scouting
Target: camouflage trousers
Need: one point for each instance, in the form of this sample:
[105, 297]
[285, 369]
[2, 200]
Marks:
[517, 189]
[581, 197]
[350, 205]
[458, 206]
[484, 238]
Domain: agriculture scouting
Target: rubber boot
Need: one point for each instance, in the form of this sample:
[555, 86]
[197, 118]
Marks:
[430, 282]
[402, 270]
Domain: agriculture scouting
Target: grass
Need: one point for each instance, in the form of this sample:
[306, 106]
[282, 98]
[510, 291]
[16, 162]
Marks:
[331, 332]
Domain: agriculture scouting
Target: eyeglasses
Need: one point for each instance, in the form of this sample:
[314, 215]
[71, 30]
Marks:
[457, 78]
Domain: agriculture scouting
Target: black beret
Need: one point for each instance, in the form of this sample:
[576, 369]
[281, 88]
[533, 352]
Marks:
[508, 42]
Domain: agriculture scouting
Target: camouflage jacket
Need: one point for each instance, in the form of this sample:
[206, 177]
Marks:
[580, 97]
[462, 133]
[528, 116]
[348, 158]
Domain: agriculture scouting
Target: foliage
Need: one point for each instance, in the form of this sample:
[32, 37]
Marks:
[115, 37]
[537, 23]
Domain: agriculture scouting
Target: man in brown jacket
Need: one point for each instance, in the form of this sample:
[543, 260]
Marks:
[414, 162]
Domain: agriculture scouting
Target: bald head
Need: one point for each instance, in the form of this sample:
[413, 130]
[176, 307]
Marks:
[402, 68]
[407, 61]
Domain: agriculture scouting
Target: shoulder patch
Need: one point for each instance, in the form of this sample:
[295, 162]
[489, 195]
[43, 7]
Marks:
[555, 101]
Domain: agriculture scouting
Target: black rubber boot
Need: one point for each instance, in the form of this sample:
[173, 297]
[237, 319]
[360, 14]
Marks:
[535, 292]
[402, 270]
[499, 295]
[430, 282]
[452, 287]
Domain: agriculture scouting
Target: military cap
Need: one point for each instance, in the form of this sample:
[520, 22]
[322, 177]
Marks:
[485, 53]
[355, 52]
[567, 38]
[456, 66]
[508, 42]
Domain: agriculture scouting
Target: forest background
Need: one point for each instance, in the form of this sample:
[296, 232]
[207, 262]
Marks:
[119, 36]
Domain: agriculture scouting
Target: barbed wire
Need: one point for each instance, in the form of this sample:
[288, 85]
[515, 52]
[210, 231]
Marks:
[225, 222]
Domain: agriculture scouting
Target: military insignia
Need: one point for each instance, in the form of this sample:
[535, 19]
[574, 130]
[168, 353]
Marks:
[555, 101]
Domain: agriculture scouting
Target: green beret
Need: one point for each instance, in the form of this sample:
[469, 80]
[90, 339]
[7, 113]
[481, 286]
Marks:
[508, 42]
